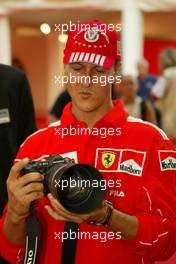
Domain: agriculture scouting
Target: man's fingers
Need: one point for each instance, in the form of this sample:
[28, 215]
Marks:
[33, 196]
[57, 216]
[61, 211]
[29, 178]
[32, 187]
[17, 168]
[58, 205]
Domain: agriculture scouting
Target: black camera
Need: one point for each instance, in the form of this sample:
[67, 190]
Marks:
[76, 186]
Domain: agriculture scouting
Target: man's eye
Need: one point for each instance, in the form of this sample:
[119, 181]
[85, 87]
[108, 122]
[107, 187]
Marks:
[100, 70]
[77, 69]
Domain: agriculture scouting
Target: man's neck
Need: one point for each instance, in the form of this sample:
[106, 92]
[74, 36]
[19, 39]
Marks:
[91, 117]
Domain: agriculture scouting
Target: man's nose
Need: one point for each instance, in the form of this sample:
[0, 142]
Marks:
[87, 79]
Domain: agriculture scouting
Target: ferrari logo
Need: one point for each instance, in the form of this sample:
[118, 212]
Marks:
[108, 159]
[91, 36]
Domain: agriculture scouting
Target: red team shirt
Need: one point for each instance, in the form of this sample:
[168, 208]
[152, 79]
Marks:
[139, 165]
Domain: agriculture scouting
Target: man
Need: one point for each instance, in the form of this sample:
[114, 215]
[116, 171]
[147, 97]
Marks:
[139, 163]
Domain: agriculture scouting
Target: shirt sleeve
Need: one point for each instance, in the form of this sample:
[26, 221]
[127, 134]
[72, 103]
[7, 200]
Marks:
[156, 208]
[12, 253]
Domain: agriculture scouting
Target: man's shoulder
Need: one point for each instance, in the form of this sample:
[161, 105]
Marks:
[144, 129]
[43, 134]
[40, 143]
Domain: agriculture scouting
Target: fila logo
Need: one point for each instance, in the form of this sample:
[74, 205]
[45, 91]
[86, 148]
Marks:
[167, 160]
[116, 193]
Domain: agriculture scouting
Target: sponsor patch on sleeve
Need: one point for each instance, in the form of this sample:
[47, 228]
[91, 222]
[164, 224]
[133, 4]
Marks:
[167, 159]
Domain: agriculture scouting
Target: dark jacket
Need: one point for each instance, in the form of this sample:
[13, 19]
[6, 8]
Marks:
[15, 100]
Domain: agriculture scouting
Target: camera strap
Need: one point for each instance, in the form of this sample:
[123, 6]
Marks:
[32, 234]
[69, 244]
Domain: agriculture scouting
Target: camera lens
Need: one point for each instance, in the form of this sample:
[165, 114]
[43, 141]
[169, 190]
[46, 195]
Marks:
[76, 186]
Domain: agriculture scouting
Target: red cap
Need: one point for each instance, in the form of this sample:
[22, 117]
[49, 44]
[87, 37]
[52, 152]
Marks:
[93, 42]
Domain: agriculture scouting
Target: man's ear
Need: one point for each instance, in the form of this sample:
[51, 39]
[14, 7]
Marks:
[65, 68]
[118, 67]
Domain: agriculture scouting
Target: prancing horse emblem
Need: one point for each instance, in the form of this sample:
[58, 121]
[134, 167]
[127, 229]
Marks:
[108, 159]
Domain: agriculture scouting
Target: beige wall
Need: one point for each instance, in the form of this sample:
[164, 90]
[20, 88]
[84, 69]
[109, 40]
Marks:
[32, 52]
[42, 58]
[55, 66]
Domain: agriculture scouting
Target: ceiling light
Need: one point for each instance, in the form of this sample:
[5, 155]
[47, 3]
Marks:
[45, 28]
[63, 38]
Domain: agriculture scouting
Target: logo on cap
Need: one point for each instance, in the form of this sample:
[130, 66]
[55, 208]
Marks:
[91, 36]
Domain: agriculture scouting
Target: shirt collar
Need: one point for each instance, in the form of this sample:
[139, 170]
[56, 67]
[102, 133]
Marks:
[116, 116]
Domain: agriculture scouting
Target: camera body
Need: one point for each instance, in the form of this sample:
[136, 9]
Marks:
[45, 168]
[70, 183]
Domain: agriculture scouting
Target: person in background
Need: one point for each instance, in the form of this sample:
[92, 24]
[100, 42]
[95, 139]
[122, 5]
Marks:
[15, 103]
[57, 109]
[134, 104]
[17, 121]
[16, 63]
[163, 92]
[145, 80]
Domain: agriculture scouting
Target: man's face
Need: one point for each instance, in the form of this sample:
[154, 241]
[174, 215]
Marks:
[142, 69]
[129, 87]
[89, 89]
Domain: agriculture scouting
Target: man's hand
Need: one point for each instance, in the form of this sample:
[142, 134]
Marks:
[120, 222]
[58, 212]
[22, 191]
